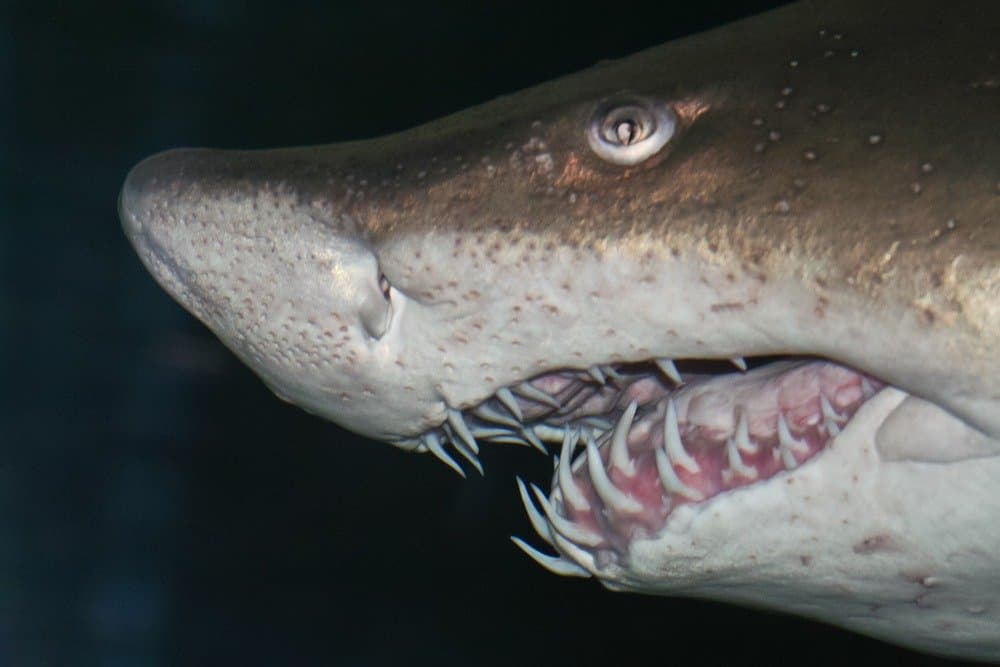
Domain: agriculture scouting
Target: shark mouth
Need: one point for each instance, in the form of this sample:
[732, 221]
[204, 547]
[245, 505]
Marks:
[639, 440]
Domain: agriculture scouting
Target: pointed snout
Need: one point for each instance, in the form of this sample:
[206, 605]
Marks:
[138, 194]
[159, 196]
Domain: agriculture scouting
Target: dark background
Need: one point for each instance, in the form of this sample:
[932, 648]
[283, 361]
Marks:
[157, 505]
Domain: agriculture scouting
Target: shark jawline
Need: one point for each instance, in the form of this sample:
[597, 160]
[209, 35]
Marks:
[652, 439]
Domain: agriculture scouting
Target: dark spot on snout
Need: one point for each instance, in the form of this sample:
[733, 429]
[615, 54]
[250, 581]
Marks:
[721, 307]
[874, 544]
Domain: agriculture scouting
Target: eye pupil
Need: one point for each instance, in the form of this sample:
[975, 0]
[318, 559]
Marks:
[626, 131]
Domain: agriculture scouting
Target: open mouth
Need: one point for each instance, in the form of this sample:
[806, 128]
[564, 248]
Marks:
[639, 440]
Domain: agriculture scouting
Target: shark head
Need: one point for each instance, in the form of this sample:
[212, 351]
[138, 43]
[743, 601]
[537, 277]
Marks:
[747, 283]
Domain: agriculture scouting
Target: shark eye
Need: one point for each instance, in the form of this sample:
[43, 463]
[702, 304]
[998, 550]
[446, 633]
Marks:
[629, 131]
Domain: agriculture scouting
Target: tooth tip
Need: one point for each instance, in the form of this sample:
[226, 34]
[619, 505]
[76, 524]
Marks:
[554, 564]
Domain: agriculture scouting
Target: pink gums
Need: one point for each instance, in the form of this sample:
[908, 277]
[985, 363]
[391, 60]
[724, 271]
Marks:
[795, 394]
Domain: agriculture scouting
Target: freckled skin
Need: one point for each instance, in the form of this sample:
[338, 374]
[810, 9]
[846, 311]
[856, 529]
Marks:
[831, 189]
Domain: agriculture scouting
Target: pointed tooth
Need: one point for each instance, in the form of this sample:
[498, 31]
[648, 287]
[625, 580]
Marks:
[830, 417]
[866, 388]
[786, 438]
[736, 463]
[571, 551]
[574, 496]
[620, 457]
[571, 531]
[489, 414]
[458, 423]
[669, 479]
[529, 434]
[463, 449]
[507, 398]
[827, 408]
[554, 564]
[528, 390]
[743, 441]
[595, 372]
[787, 458]
[739, 362]
[672, 439]
[788, 445]
[469, 456]
[486, 433]
[669, 369]
[434, 446]
[534, 516]
[612, 496]
[511, 439]
[549, 433]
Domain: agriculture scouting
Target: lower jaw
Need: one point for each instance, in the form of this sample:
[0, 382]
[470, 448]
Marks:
[650, 445]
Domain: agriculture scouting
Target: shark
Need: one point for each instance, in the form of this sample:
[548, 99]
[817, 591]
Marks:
[745, 285]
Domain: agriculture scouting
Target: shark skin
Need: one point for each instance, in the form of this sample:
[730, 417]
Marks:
[815, 191]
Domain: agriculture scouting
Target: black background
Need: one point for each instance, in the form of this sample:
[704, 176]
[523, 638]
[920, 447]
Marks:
[158, 506]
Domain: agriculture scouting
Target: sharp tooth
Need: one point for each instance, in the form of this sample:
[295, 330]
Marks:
[669, 369]
[736, 463]
[554, 564]
[612, 496]
[489, 414]
[565, 527]
[786, 438]
[830, 417]
[488, 433]
[533, 440]
[787, 458]
[577, 554]
[619, 441]
[743, 441]
[507, 398]
[828, 411]
[595, 372]
[458, 423]
[463, 448]
[672, 440]
[537, 520]
[669, 479]
[866, 388]
[549, 433]
[528, 390]
[574, 496]
[789, 445]
[510, 439]
[739, 362]
[434, 446]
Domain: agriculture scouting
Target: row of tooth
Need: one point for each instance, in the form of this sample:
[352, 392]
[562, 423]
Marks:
[568, 537]
[463, 438]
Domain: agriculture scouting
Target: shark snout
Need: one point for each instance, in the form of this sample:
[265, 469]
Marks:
[151, 185]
